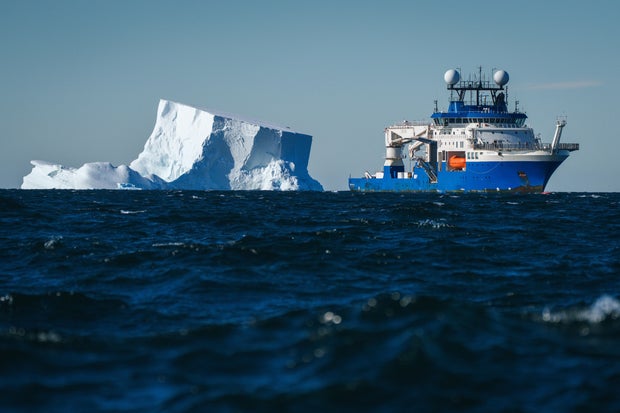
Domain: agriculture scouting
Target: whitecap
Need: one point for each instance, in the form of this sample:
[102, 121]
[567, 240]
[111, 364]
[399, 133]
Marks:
[168, 244]
[433, 223]
[47, 337]
[6, 298]
[331, 317]
[604, 308]
[127, 212]
[52, 243]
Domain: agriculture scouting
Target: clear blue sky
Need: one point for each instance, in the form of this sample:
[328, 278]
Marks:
[80, 80]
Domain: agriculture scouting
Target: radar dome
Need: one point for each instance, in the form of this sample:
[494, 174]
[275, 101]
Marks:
[501, 77]
[452, 77]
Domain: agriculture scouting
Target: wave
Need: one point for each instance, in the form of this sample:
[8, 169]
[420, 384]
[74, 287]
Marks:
[304, 302]
[605, 308]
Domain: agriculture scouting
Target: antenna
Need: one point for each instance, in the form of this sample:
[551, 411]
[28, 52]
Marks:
[506, 97]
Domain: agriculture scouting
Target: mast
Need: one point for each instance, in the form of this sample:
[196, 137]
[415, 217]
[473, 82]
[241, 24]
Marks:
[477, 86]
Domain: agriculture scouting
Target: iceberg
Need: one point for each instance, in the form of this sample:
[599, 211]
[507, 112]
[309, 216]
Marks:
[192, 148]
[93, 175]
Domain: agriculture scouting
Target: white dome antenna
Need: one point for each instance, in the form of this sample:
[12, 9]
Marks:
[452, 77]
[501, 77]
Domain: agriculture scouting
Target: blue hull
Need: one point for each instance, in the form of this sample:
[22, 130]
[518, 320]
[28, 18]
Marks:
[526, 176]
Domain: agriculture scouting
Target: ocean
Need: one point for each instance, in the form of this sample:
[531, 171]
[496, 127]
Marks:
[189, 301]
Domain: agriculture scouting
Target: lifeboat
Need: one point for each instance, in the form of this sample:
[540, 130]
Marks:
[456, 162]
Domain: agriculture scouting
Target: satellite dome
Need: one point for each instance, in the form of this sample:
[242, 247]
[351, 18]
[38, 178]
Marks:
[501, 77]
[452, 77]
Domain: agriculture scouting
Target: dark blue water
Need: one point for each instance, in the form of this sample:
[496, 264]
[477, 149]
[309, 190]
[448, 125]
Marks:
[132, 301]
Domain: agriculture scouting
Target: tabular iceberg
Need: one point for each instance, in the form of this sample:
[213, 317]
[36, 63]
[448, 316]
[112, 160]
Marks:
[193, 148]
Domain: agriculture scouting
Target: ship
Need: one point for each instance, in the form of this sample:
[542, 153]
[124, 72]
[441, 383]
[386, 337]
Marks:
[476, 145]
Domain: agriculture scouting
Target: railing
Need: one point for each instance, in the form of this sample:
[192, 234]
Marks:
[507, 147]
[409, 124]
[568, 146]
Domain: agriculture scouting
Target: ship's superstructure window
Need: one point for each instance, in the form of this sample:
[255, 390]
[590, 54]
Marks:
[454, 121]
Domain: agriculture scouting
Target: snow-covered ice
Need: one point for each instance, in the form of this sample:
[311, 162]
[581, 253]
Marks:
[94, 175]
[193, 148]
